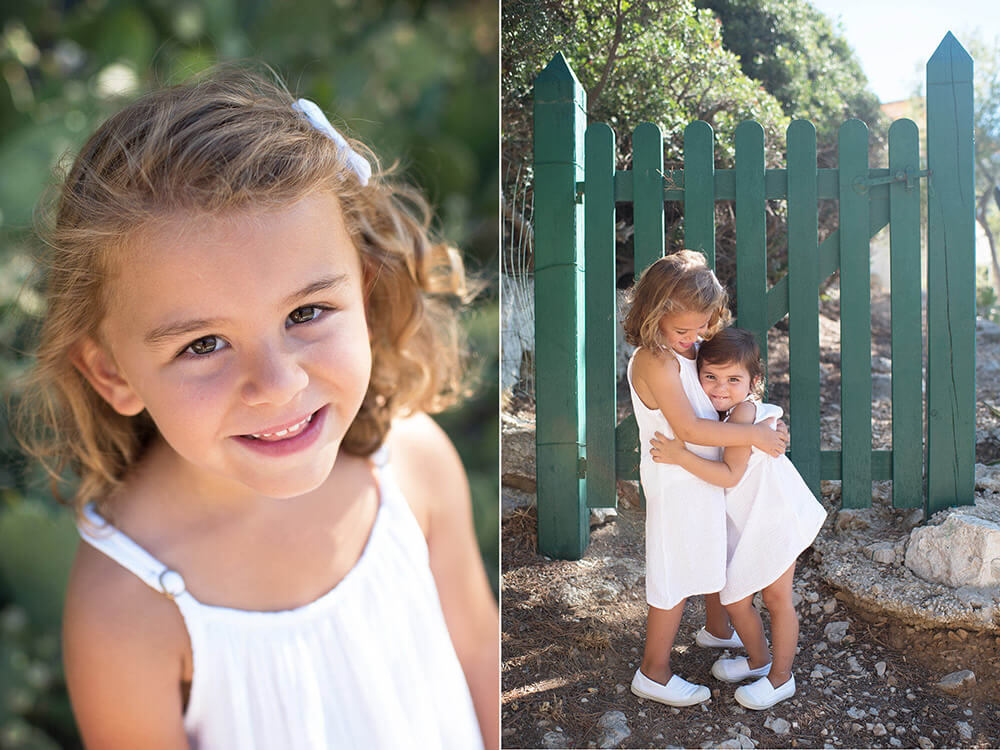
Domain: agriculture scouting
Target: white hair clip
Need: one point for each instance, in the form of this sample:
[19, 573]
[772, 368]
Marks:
[318, 120]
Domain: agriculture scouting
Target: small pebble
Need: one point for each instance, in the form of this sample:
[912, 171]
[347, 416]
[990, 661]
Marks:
[880, 668]
[964, 730]
[778, 726]
[956, 681]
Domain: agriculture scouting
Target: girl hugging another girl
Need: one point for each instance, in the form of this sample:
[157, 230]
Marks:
[676, 303]
[771, 517]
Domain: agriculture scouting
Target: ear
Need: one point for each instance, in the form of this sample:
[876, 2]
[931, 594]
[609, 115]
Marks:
[97, 365]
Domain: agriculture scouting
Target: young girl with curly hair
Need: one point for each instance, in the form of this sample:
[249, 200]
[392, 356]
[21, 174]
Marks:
[247, 324]
[677, 303]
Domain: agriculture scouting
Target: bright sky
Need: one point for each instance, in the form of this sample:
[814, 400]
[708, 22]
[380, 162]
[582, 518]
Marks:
[893, 39]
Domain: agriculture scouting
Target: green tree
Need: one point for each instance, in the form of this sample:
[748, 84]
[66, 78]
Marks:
[986, 125]
[661, 61]
[794, 51]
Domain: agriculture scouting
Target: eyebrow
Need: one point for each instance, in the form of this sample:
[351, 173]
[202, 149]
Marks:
[163, 333]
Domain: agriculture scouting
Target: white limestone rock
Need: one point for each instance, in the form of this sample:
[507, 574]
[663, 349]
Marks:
[962, 551]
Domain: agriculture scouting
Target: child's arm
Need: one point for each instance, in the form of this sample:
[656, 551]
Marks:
[725, 473]
[434, 482]
[661, 382]
[126, 652]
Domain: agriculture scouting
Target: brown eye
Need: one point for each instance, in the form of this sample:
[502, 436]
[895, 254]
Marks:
[303, 315]
[204, 345]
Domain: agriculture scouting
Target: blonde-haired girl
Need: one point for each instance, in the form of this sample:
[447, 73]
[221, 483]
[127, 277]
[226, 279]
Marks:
[676, 303]
[246, 324]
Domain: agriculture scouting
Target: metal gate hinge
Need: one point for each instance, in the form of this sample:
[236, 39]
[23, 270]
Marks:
[581, 468]
[579, 192]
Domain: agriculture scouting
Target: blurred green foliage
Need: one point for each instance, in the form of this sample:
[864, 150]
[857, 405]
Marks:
[415, 79]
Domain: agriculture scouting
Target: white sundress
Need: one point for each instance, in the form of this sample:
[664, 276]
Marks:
[771, 517]
[685, 516]
[367, 665]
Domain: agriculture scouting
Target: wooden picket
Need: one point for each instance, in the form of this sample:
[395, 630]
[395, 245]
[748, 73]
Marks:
[580, 451]
[803, 301]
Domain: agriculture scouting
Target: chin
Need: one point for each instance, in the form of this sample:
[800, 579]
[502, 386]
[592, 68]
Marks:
[294, 482]
[288, 488]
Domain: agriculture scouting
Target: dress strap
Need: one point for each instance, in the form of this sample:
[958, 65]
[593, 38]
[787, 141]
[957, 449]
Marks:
[104, 537]
[388, 490]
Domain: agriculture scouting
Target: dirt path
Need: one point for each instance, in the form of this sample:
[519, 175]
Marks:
[573, 636]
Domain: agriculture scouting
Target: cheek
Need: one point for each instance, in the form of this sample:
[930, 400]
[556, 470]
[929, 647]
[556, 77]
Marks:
[345, 359]
[191, 403]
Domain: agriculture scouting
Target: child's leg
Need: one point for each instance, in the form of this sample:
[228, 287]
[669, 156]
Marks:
[746, 620]
[784, 626]
[716, 618]
[661, 630]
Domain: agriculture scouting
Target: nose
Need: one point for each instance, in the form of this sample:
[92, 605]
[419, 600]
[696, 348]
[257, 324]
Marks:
[272, 376]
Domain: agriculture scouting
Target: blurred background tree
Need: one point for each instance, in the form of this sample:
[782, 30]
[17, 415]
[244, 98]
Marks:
[415, 79]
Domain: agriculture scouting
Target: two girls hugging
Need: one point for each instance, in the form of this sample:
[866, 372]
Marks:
[727, 514]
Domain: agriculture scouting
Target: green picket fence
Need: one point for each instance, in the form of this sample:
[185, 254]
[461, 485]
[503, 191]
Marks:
[580, 449]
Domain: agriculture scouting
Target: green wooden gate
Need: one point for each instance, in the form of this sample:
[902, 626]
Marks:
[581, 451]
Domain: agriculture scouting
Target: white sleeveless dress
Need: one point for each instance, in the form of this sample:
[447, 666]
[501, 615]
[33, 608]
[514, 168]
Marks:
[367, 665]
[771, 516]
[685, 516]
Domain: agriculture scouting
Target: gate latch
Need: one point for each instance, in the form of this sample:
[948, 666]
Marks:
[908, 175]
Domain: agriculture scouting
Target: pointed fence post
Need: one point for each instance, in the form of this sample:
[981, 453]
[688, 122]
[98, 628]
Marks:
[559, 122]
[951, 281]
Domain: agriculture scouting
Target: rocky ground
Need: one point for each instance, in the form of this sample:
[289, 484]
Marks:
[866, 676]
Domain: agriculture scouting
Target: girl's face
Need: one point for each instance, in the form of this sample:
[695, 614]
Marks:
[726, 384]
[682, 329]
[245, 339]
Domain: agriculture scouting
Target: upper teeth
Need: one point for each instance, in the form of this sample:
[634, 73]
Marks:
[287, 431]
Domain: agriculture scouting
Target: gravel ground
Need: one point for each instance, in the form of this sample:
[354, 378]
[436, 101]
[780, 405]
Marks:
[573, 635]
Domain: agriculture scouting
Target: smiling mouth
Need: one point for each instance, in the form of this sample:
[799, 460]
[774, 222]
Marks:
[283, 434]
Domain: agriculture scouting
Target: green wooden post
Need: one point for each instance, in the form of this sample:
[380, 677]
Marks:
[951, 289]
[855, 318]
[699, 189]
[751, 233]
[907, 338]
[599, 210]
[560, 118]
[647, 195]
[803, 300]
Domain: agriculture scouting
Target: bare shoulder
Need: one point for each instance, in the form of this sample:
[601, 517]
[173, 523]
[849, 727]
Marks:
[427, 467]
[649, 364]
[126, 652]
[743, 413]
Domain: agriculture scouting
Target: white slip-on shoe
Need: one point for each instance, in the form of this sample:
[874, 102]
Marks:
[737, 669]
[761, 694]
[677, 691]
[707, 640]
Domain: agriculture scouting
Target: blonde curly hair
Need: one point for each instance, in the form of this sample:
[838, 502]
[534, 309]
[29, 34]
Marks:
[680, 282]
[230, 140]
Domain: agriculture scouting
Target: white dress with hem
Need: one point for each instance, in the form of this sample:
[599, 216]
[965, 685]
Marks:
[685, 516]
[771, 517]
